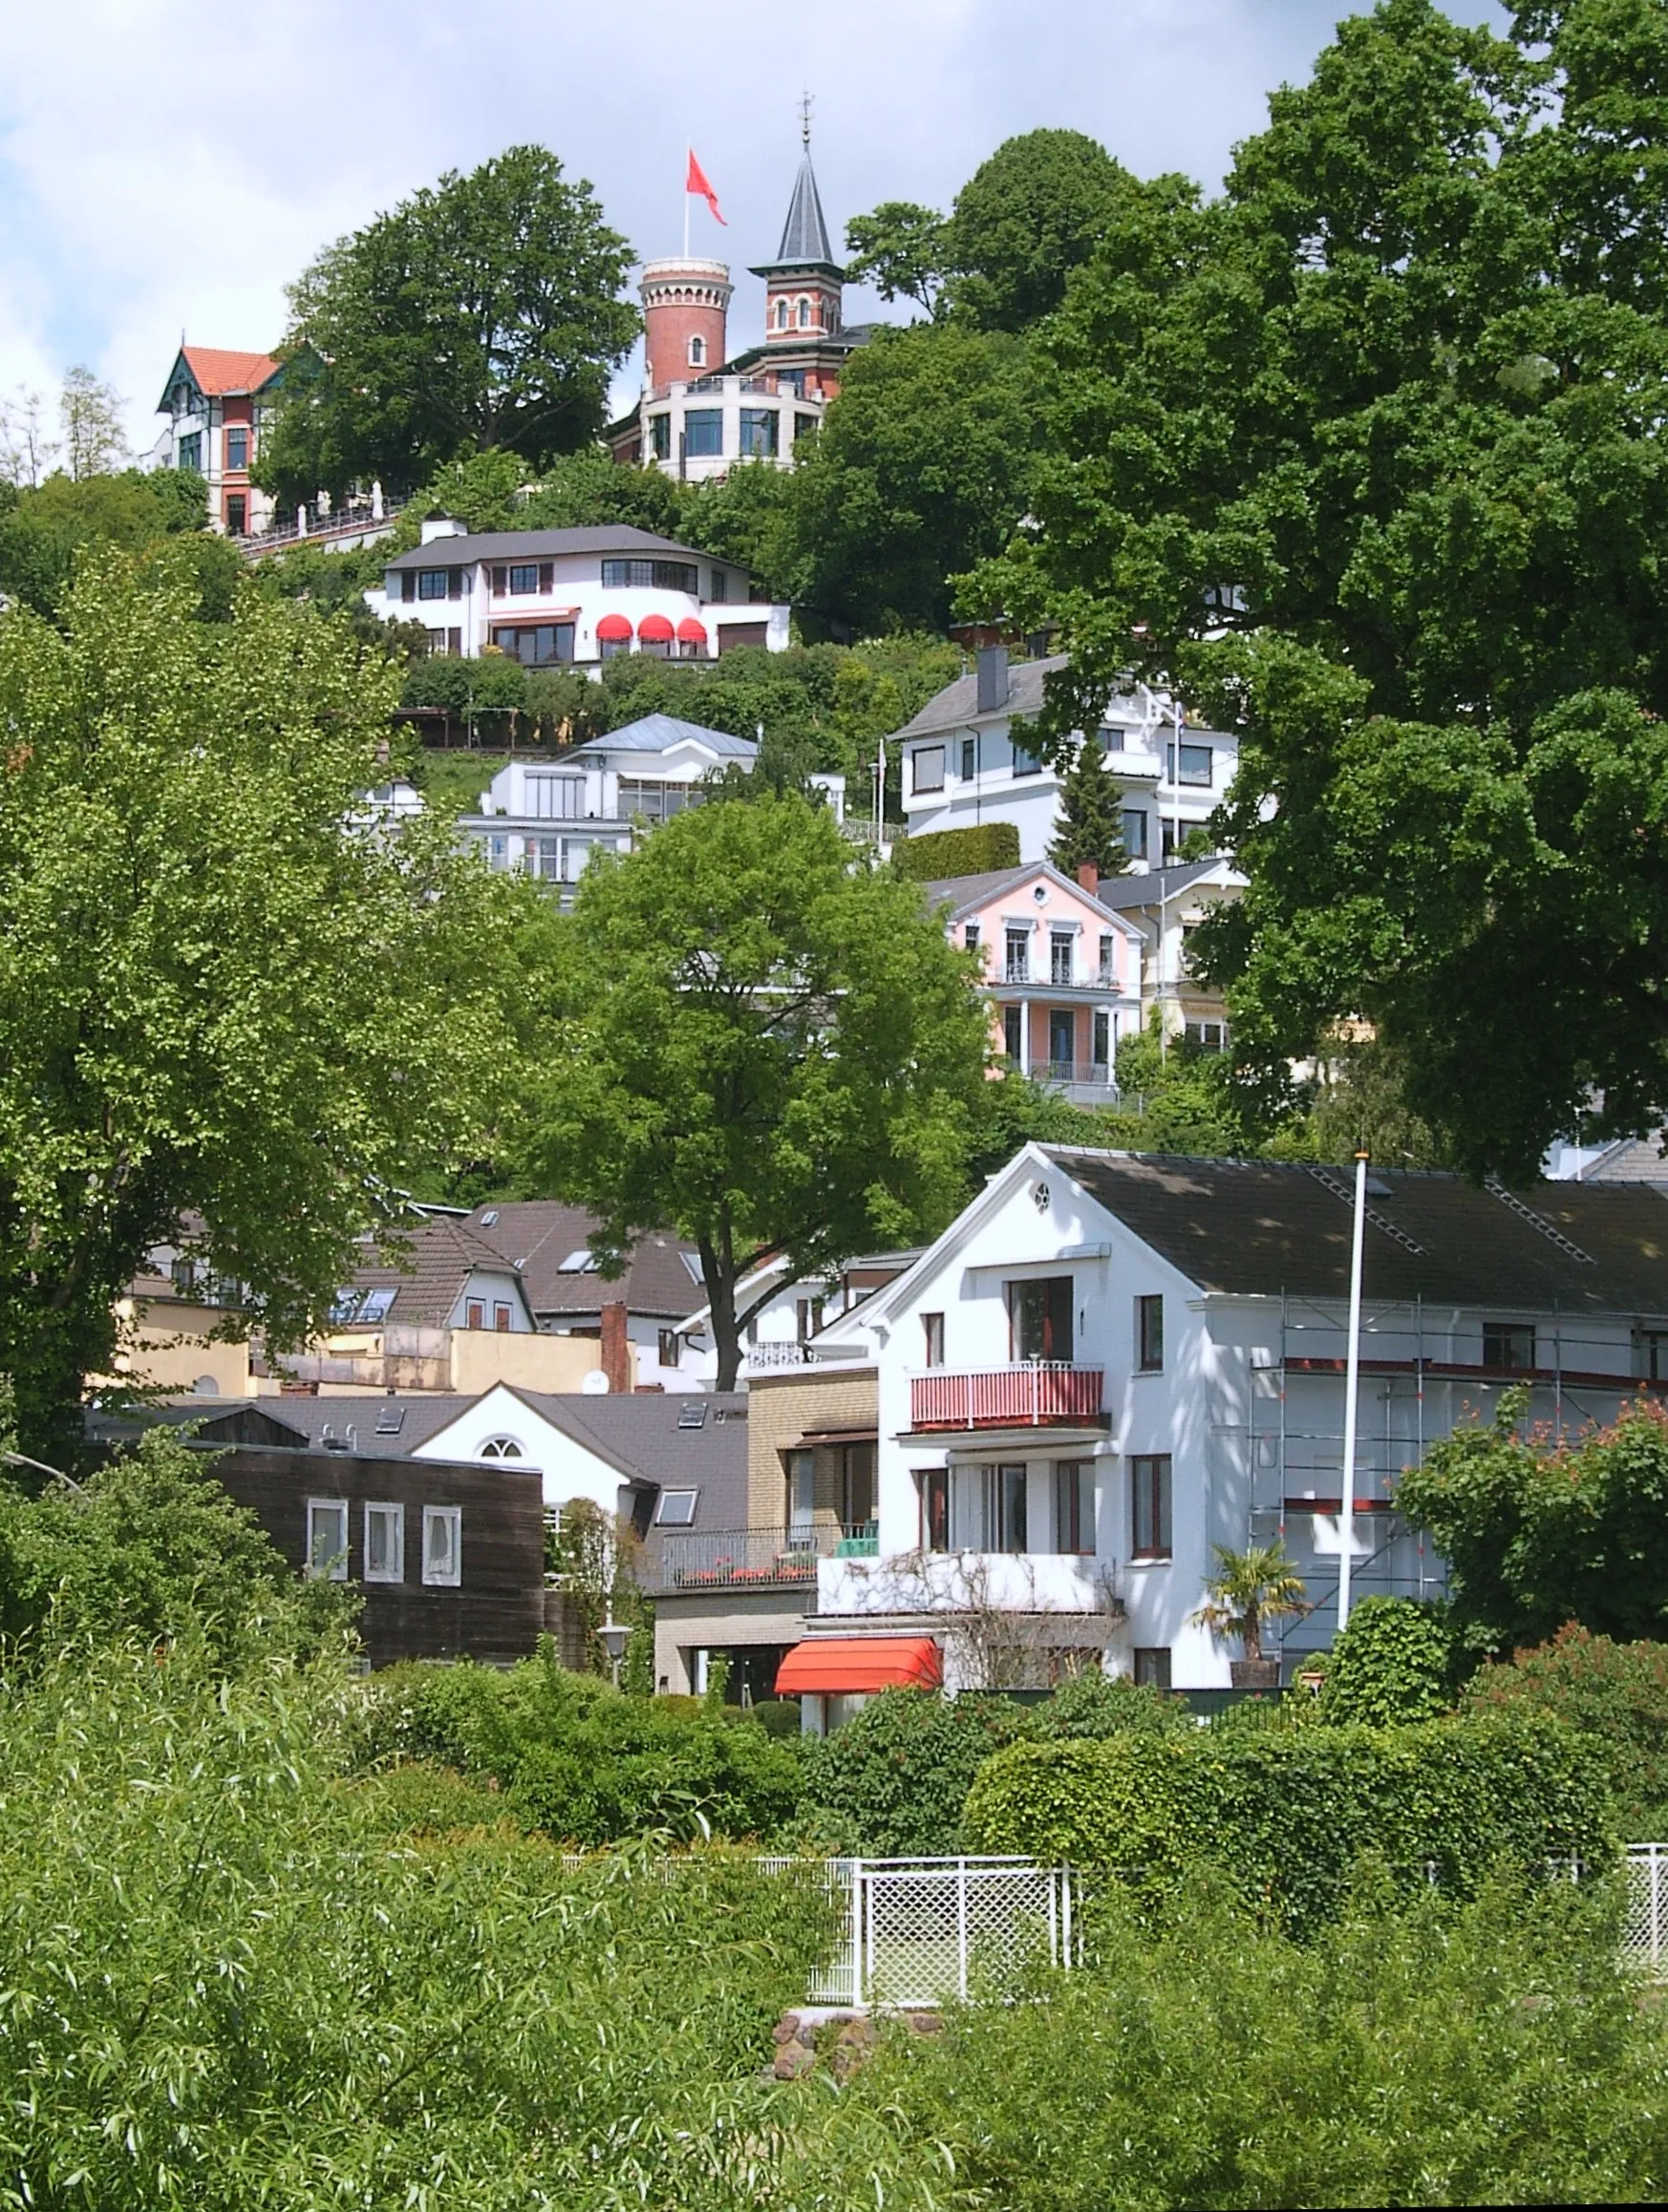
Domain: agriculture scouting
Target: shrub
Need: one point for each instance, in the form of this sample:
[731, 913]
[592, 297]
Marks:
[1394, 1661]
[1615, 1695]
[981, 850]
[1096, 1704]
[899, 1771]
[1288, 1813]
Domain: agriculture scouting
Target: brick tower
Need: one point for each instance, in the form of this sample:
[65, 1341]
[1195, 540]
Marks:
[685, 302]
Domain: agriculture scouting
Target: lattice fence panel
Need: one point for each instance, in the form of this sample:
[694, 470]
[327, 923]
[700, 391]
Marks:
[930, 1932]
[1644, 1938]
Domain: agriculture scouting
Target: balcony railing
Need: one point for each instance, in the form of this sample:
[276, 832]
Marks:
[760, 1557]
[1037, 1394]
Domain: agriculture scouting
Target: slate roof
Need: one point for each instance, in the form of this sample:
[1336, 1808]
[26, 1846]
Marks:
[659, 733]
[642, 1435]
[1148, 890]
[544, 545]
[805, 235]
[298, 1423]
[1629, 1159]
[963, 893]
[957, 706]
[439, 1258]
[1257, 1228]
[536, 1235]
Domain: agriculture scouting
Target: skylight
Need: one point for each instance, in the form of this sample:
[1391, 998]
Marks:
[693, 1414]
[579, 1263]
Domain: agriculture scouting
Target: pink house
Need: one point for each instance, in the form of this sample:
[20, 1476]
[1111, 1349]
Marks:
[1062, 972]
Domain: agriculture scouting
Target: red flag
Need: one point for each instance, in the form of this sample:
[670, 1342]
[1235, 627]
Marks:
[696, 182]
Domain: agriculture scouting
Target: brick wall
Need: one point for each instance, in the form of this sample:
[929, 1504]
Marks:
[782, 1407]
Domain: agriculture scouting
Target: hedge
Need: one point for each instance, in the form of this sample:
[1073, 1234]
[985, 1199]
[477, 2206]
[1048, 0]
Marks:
[979, 850]
[1288, 1813]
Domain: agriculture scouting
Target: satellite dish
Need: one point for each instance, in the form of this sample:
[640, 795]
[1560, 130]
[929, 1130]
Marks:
[594, 1384]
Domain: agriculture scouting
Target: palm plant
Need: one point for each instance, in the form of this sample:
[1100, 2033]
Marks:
[1248, 1588]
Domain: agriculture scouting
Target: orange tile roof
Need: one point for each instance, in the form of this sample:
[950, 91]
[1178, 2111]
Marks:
[219, 371]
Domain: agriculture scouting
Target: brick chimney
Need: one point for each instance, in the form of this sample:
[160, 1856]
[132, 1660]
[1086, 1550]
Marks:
[1089, 877]
[616, 1347]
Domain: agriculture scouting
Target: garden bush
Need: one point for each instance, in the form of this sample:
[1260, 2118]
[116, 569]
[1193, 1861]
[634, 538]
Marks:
[897, 1774]
[1615, 1695]
[981, 850]
[577, 1760]
[1286, 1813]
[1393, 1660]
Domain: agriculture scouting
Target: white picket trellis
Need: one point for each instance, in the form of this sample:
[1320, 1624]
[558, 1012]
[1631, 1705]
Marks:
[919, 1931]
[1645, 1922]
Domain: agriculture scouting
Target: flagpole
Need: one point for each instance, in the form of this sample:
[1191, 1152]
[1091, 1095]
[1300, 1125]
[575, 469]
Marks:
[1346, 1520]
[686, 155]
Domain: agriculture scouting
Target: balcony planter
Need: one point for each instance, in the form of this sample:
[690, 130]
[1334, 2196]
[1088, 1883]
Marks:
[1254, 1674]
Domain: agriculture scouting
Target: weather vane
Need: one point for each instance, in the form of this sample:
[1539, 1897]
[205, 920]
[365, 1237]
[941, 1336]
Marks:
[806, 118]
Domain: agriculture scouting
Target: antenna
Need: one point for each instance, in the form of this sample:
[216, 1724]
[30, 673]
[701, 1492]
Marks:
[806, 103]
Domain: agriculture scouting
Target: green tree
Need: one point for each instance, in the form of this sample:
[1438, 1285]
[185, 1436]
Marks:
[219, 996]
[482, 311]
[922, 467]
[1392, 1661]
[94, 443]
[1538, 1532]
[1025, 219]
[900, 250]
[1388, 415]
[1357, 1102]
[1615, 1695]
[760, 1041]
[1249, 1589]
[43, 529]
[1090, 830]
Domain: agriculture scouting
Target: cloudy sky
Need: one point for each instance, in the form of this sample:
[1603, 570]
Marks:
[168, 167]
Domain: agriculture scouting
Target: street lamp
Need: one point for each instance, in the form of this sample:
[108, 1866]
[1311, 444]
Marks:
[614, 1636]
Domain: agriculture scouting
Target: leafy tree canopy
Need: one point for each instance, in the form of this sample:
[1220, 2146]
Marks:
[485, 311]
[1388, 415]
[899, 249]
[1024, 219]
[1089, 829]
[1613, 1694]
[43, 527]
[758, 1041]
[219, 996]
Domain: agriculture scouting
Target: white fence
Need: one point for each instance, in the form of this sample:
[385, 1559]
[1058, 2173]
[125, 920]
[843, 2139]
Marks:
[1645, 1922]
[919, 1931]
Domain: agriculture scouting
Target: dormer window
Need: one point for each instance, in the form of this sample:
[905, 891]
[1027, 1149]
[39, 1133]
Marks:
[697, 353]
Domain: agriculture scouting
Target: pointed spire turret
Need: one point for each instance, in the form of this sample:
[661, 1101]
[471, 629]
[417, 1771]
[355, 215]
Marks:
[804, 245]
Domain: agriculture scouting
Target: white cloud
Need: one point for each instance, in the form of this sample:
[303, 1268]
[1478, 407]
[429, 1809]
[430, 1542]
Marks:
[164, 168]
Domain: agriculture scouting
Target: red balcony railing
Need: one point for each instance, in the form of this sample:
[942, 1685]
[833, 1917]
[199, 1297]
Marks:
[1039, 1395]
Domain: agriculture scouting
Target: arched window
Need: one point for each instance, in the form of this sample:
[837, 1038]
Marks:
[804, 314]
[697, 353]
[500, 1448]
[782, 314]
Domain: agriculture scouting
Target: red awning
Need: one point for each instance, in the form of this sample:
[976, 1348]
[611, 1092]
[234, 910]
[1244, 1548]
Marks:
[613, 626]
[655, 629]
[829, 1666]
[692, 632]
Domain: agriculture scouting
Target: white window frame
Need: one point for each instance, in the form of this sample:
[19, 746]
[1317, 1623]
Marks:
[433, 1515]
[337, 1570]
[396, 1572]
[926, 766]
[663, 1520]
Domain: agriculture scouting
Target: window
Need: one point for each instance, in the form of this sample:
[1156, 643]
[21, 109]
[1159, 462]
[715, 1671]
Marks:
[703, 431]
[721, 591]
[660, 436]
[475, 1313]
[697, 353]
[1012, 1033]
[443, 1546]
[1149, 1334]
[804, 314]
[676, 1508]
[536, 645]
[1073, 1506]
[326, 1538]
[667, 1347]
[932, 1328]
[804, 425]
[1107, 970]
[970, 936]
[807, 1318]
[385, 1543]
[655, 800]
[1652, 1347]
[969, 758]
[1152, 1666]
[1008, 1503]
[237, 449]
[524, 576]
[1061, 946]
[1016, 965]
[651, 576]
[856, 1488]
[1062, 1041]
[237, 515]
[927, 769]
[782, 314]
[189, 452]
[934, 1484]
[500, 1319]
[1195, 763]
[759, 433]
[1208, 1036]
[454, 647]
[1101, 1054]
[432, 583]
[1111, 739]
[1039, 1318]
[500, 1448]
[1508, 1344]
[1025, 762]
[1149, 1491]
[1135, 832]
[799, 1466]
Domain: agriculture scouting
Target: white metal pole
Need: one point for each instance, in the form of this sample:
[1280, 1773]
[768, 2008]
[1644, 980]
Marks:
[1352, 1366]
[686, 156]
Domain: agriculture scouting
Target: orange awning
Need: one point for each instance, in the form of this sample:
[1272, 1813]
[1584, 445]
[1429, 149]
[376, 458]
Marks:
[830, 1666]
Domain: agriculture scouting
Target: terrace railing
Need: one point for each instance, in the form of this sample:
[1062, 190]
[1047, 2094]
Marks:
[1033, 1395]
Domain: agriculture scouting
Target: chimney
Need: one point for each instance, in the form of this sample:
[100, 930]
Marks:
[617, 1346]
[992, 679]
[442, 526]
[1089, 877]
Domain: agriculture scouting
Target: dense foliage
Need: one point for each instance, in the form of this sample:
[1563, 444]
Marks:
[1368, 455]
[758, 1041]
[1286, 1813]
[482, 311]
[1614, 1694]
[1538, 1531]
[217, 994]
[1089, 828]
[939, 856]
[583, 1762]
[1393, 1660]
[44, 527]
